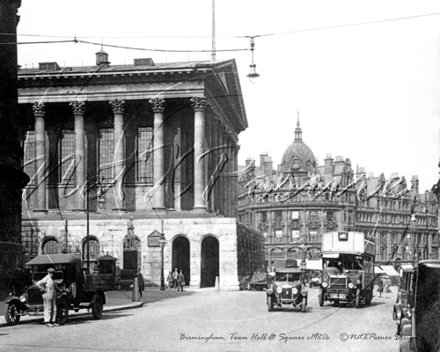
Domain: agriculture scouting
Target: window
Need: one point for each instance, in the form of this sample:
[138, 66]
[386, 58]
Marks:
[94, 249]
[278, 216]
[51, 247]
[295, 235]
[144, 157]
[263, 217]
[329, 215]
[106, 152]
[29, 153]
[67, 157]
[278, 233]
[295, 215]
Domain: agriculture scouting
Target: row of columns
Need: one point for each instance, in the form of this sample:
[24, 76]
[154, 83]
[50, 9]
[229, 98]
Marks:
[158, 107]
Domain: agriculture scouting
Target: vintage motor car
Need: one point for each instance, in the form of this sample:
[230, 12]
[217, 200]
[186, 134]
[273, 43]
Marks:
[420, 326]
[80, 286]
[258, 281]
[405, 295]
[287, 290]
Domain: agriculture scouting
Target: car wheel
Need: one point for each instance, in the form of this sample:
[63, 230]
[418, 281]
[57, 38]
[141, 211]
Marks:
[269, 304]
[11, 314]
[336, 302]
[303, 307]
[62, 311]
[321, 299]
[249, 287]
[357, 302]
[368, 300]
[97, 307]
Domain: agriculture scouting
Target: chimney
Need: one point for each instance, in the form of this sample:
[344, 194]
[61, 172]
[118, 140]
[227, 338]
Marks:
[268, 166]
[328, 165]
[262, 157]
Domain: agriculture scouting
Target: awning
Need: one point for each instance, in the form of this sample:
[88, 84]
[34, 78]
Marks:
[389, 270]
[378, 270]
[330, 255]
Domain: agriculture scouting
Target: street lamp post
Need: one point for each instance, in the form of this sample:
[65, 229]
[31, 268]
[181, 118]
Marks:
[162, 242]
[413, 225]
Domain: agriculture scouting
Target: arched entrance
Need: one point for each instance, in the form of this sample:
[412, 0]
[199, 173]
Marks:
[181, 257]
[209, 262]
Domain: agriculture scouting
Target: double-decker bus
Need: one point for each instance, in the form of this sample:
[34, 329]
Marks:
[348, 268]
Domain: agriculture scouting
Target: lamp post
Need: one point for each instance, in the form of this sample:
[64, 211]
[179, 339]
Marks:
[162, 242]
[413, 224]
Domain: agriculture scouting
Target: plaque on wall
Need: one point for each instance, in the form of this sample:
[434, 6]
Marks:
[153, 239]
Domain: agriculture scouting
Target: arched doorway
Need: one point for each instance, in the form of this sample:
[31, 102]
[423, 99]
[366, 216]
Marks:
[181, 257]
[51, 246]
[209, 262]
[93, 246]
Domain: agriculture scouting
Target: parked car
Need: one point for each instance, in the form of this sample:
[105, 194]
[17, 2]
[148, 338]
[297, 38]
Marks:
[405, 295]
[287, 290]
[259, 281]
[420, 326]
[80, 286]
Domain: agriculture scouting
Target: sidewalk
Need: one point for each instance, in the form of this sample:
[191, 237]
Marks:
[115, 300]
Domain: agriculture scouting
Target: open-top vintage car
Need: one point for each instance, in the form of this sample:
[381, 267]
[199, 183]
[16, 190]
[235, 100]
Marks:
[79, 286]
[287, 290]
[420, 326]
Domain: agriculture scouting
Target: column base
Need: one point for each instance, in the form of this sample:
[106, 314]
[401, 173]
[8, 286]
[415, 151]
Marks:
[40, 210]
[199, 210]
[79, 210]
[160, 209]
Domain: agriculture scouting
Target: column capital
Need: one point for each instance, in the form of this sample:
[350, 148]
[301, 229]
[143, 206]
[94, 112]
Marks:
[157, 104]
[78, 107]
[38, 109]
[117, 106]
[199, 104]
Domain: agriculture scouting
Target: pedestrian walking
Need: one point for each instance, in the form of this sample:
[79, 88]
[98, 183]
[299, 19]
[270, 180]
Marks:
[141, 282]
[380, 288]
[170, 280]
[175, 276]
[49, 289]
[386, 286]
[180, 281]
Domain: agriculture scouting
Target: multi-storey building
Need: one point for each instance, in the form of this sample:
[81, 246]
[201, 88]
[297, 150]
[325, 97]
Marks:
[154, 143]
[299, 201]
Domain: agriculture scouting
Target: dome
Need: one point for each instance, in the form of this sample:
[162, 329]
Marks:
[298, 155]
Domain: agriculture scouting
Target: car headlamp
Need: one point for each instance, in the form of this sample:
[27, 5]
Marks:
[23, 298]
[350, 285]
[325, 284]
[295, 291]
[358, 282]
[279, 289]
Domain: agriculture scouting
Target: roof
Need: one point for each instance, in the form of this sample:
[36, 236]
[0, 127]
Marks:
[107, 257]
[288, 270]
[55, 259]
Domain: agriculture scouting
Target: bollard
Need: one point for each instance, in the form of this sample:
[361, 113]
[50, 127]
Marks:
[217, 286]
[135, 297]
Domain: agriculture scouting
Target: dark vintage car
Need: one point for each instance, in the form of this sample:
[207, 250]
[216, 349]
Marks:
[404, 300]
[287, 290]
[80, 286]
[258, 281]
[420, 326]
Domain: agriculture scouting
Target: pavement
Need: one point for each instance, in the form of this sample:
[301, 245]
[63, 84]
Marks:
[115, 301]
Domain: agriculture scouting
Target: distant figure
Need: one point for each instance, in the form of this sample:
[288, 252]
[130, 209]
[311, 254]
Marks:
[180, 281]
[141, 282]
[386, 286]
[380, 288]
[175, 277]
[170, 280]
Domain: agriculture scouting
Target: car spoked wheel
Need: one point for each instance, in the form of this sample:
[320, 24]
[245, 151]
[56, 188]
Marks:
[12, 316]
[62, 311]
[270, 304]
[97, 307]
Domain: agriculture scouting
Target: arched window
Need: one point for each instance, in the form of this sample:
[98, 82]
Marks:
[51, 246]
[93, 246]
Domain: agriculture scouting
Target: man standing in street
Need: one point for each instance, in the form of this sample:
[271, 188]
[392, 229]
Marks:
[180, 281]
[49, 288]
[141, 282]
[175, 276]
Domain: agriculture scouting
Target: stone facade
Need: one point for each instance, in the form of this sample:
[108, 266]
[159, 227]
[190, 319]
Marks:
[295, 204]
[154, 142]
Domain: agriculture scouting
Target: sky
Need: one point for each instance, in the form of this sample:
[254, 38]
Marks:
[364, 75]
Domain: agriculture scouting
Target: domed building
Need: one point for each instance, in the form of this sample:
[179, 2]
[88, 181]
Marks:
[298, 156]
[295, 203]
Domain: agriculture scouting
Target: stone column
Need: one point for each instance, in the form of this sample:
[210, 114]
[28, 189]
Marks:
[158, 154]
[118, 140]
[199, 105]
[40, 146]
[80, 156]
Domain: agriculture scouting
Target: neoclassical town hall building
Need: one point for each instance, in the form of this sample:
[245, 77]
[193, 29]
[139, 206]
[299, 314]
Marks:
[150, 148]
[295, 203]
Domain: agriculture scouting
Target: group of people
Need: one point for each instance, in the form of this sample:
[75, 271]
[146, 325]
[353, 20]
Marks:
[384, 286]
[176, 280]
